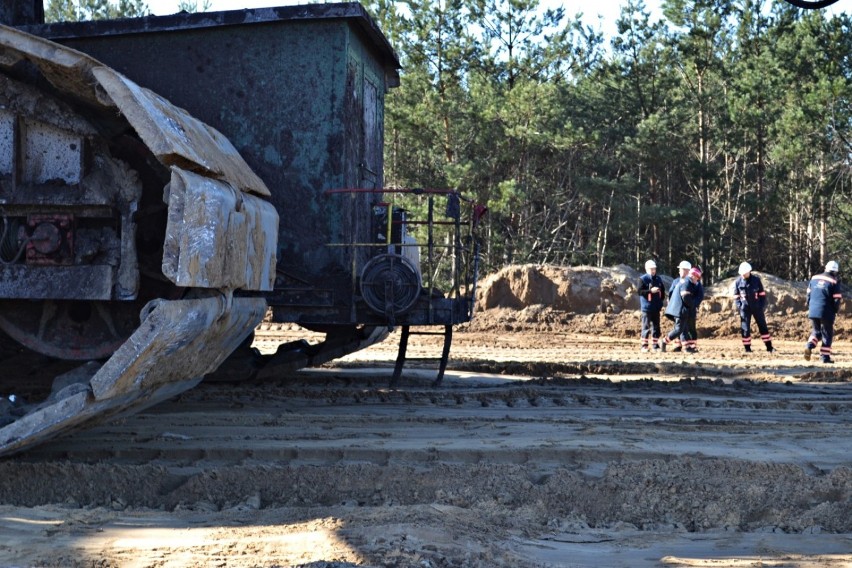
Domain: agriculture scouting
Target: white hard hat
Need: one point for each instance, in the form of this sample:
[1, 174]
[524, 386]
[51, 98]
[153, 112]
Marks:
[649, 264]
[832, 266]
[745, 268]
[685, 265]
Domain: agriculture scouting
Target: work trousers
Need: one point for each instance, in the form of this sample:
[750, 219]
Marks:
[822, 331]
[683, 328]
[745, 326]
[650, 326]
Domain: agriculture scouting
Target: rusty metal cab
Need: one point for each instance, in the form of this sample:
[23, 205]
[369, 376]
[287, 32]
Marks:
[300, 91]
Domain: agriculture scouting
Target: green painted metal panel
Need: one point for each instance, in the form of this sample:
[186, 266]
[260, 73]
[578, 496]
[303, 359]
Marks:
[290, 94]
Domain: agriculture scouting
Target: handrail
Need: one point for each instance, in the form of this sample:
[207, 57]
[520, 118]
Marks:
[465, 250]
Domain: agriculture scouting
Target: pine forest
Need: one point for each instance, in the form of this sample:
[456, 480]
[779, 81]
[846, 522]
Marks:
[718, 133]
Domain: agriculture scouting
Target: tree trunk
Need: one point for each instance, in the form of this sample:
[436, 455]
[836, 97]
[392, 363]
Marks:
[603, 235]
[704, 186]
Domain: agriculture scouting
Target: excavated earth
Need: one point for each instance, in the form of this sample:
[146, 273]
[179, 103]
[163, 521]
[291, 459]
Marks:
[552, 442]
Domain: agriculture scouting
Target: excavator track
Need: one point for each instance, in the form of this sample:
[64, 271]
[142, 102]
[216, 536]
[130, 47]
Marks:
[219, 237]
[167, 355]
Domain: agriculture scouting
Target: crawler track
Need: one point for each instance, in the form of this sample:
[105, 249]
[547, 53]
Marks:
[328, 416]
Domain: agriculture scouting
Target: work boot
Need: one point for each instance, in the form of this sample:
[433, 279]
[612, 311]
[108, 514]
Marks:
[677, 349]
[691, 350]
[747, 348]
[769, 347]
[827, 359]
[808, 350]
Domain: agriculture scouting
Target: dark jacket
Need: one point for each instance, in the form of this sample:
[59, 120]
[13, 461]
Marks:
[651, 301]
[749, 295]
[683, 298]
[675, 282]
[699, 293]
[824, 296]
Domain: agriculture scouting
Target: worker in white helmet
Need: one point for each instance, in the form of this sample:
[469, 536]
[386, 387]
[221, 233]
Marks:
[691, 342]
[823, 304]
[650, 290]
[750, 300]
[683, 275]
[682, 307]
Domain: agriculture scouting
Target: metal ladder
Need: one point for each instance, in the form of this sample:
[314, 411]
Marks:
[403, 347]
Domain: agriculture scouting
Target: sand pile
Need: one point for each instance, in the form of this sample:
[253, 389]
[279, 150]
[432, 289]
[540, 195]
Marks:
[579, 290]
[783, 297]
[589, 290]
[605, 300]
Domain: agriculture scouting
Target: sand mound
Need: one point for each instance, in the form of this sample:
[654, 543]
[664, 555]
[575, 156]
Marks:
[579, 290]
[589, 290]
[605, 300]
[783, 297]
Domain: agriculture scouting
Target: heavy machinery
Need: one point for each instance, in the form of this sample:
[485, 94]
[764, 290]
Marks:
[168, 182]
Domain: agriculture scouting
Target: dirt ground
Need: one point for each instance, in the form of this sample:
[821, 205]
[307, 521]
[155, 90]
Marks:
[546, 445]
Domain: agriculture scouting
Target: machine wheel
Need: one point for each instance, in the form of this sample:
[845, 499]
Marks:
[76, 330]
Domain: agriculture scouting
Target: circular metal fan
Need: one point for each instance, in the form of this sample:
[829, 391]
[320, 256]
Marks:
[390, 284]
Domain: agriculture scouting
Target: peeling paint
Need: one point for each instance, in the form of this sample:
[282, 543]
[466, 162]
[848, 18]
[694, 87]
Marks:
[50, 154]
[212, 244]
